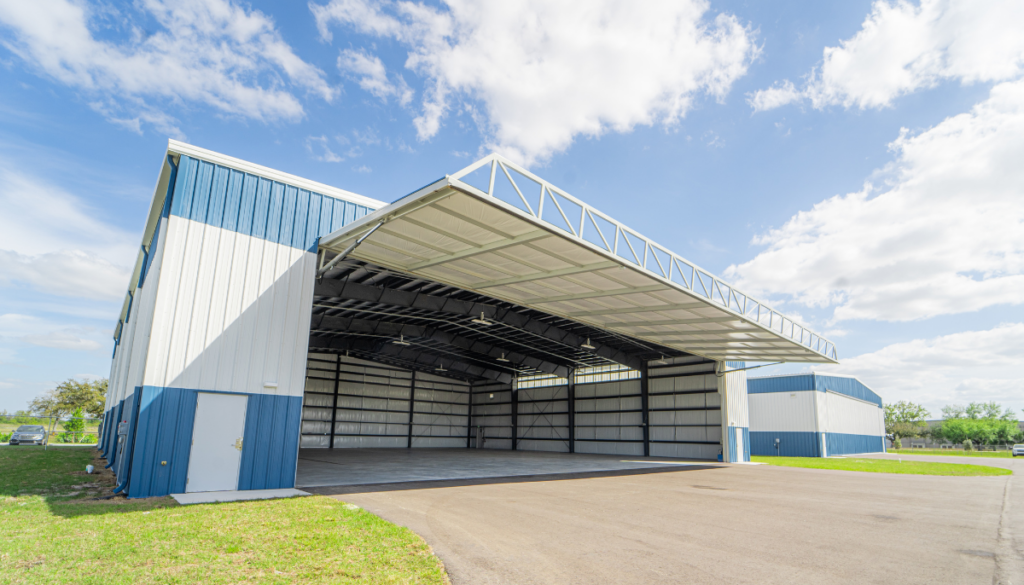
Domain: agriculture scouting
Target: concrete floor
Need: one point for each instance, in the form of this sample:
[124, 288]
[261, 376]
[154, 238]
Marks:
[360, 467]
[727, 524]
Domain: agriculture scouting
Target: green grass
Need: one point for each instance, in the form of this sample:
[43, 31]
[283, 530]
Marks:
[953, 453]
[884, 466]
[56, 531]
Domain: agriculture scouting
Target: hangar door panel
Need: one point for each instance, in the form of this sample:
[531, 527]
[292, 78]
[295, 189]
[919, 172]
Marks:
[216, 442]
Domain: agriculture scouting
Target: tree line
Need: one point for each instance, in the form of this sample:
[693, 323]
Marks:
[72, 399]
[978, 423]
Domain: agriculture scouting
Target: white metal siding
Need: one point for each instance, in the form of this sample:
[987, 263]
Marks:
[783, 411]
[845, 415]
[232, 312]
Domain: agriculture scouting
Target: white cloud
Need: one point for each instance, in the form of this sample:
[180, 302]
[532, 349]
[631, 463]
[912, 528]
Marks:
[373, 77]
[971, 366]
[903, 47]
[213, 52]
[319, 148]
[547, 72]
[16, 329]
[50, 241]
[774, 97]
[945, 236]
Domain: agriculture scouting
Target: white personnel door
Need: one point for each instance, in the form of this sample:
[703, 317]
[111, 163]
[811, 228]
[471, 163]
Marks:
[739, 445]
[216, 442]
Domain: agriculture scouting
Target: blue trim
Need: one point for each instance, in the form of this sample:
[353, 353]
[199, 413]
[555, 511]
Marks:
[851, 387]
[123, 465]
[251, 205]
[808, 444]
[165, 425]
[165, 434]
[732, 445]
[844, 444]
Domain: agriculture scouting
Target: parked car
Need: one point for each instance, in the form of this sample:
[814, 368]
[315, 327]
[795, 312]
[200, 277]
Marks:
[29, 435]
[1018, 450]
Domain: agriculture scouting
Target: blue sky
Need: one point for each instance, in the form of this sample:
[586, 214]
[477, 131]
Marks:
[855, 164]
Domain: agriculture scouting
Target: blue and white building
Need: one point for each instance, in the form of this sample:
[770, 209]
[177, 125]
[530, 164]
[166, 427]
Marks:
[814, 415]
[269, 314]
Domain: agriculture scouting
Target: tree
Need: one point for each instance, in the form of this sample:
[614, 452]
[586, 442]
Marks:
[981, 423]
[904, 419]
[69, 396]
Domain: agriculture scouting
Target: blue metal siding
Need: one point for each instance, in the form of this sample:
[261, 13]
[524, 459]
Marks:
[791, 444]
[847, 386]
[794, 383]
[166, 417]
[732, 444]
[843, 444]
[809, 444]
[251, 205]
[271, 442]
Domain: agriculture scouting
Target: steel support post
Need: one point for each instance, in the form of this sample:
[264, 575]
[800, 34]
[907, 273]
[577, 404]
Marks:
[572, 409]
[412, 403]
[334, 403]
[515, 415]
[646, 410]
[469, 418]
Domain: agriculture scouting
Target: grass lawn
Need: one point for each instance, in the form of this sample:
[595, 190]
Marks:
[953, 452]
[883, 466]
[56, 531]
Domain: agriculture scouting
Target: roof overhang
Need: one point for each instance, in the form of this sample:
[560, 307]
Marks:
[483, 231]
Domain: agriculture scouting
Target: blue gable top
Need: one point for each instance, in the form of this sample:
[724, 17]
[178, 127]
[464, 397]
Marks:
[256, 206]
[851, 387]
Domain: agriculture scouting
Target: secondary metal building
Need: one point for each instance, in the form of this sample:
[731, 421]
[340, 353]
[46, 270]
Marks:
[814, 415]
[268, 314]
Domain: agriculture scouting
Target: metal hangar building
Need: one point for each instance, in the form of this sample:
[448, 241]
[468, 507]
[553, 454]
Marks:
[272, 321]
[814, 415]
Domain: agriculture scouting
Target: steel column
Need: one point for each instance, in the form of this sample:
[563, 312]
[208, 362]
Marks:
[412, 403]
[515, 415]
[469, 418]
[572, 409]
[645, 409]
[334, 405]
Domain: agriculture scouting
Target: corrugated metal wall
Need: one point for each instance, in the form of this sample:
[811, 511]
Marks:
[225, 307]
[370, 406]
[685, 409]
[809, 421]
[609, 417]
[543, 418]
[492, 410]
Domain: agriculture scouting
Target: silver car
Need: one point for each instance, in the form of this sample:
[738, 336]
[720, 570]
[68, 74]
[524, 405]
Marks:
[29, 435]
[1018, 450]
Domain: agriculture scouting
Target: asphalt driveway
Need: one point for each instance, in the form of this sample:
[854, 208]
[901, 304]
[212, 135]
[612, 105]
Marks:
[732, 524]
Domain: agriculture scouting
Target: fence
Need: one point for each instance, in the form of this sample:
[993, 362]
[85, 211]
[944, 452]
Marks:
[56, 428]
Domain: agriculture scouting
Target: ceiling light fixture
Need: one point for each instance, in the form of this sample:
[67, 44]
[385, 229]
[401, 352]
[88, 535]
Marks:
[401, 341]
[482, 320]
[502, 358]
[587, 345]
[440, 367]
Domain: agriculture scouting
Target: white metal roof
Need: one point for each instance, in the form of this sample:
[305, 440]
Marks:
[549, 251]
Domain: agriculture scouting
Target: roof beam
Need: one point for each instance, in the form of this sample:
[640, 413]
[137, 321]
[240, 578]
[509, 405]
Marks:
[601, 293]
[427, 362]
[360, 292]
[481, 348]
[678, 322]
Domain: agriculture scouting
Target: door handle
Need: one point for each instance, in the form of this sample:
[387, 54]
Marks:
[238, 443]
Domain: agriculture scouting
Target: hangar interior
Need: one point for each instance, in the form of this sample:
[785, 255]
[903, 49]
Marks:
[278, 329]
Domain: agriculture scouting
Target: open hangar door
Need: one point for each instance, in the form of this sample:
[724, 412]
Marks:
[459, 317]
